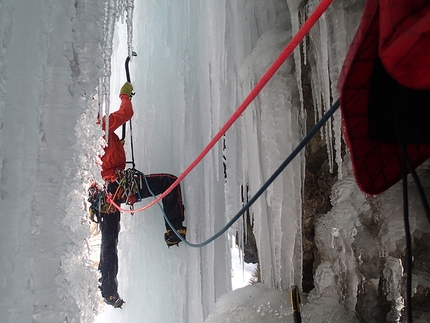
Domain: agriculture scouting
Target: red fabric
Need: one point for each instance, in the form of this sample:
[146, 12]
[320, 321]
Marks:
[114, 157]
[405, 41]
[377, 165]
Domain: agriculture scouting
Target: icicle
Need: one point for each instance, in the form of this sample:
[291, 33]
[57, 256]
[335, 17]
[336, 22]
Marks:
[316, 98]
[294, 14]
[111, 14]
[321, 80]
[316, 74]
[244, 238]
[108, 31]
[337, 131]
[334, 234]
[112, 11]
[393, 274]
[125, 10]
[338, 48]
[100, 98]
[129, 9]
[304, 47]
[328, 140]
[327, 88]
[240, 237]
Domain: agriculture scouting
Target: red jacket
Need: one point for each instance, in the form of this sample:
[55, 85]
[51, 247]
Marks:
[114, 157]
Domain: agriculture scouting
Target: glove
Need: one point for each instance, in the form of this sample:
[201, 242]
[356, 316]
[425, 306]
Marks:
[127, 88]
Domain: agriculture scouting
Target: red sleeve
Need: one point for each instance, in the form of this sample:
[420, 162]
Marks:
[118, 118]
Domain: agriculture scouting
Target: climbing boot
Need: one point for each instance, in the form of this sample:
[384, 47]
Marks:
[172, 239]
[115, 301]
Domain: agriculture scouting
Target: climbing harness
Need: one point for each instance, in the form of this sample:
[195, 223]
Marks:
[99, 204]
[93, 198]
[126, 190]
[129, 182]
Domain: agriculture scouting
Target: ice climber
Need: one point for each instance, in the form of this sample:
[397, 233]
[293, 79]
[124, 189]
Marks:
[126, 186]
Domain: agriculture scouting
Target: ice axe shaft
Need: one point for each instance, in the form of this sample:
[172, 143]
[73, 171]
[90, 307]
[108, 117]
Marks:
[295, 304]
[127, 74]
[127, 61]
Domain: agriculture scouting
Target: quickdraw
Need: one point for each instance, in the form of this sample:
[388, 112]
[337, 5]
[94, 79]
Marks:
[129, 184]
[98, 202]
[127, 190]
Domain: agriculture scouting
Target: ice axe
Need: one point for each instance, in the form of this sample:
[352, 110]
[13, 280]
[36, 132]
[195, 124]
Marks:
[127, 74]
[295, 304]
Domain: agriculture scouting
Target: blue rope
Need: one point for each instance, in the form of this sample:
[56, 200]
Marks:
[287, 161]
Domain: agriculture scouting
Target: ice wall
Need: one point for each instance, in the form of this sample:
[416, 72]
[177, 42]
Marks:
[270, 126]
[263, 139]
[177, 78]
[50, 61]
[360, 242]
[260, 141]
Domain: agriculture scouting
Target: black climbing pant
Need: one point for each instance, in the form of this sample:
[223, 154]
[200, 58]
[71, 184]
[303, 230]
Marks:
[110, 224]
[108, 266]
[172, 202]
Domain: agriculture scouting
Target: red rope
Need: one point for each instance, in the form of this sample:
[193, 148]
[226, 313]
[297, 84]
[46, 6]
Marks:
[303, 31]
